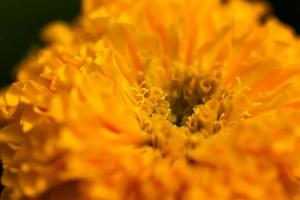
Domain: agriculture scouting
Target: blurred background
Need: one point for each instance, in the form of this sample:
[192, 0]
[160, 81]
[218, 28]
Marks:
[20, 24]
[22, 20]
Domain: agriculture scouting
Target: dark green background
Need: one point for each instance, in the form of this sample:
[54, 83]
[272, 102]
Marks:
[21, 21]
[20, 24]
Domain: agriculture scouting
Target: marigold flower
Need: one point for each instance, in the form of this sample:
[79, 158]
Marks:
[172, 99]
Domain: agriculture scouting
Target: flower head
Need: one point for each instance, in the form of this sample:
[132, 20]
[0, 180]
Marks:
[173, 99]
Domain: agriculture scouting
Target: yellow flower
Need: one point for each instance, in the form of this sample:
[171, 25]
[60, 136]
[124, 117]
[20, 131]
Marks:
[172, 99]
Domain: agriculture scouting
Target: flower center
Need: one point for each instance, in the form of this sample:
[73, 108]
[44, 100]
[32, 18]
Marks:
[180, 117]
[197, 103]
[189, 92]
